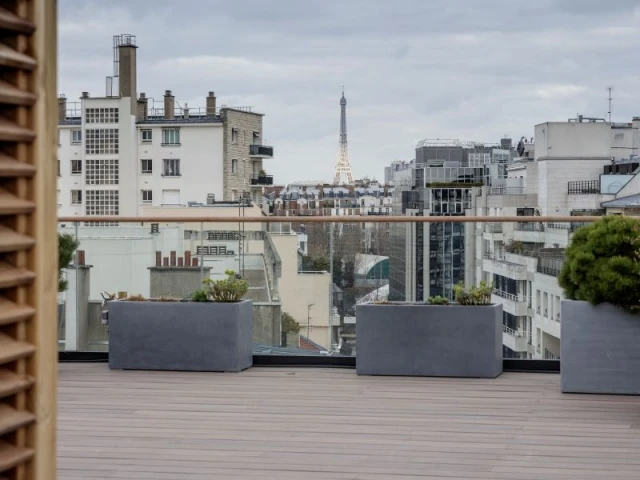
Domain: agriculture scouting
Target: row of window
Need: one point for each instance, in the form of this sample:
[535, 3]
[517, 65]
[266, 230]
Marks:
[102, 141]
[213, 250]
[106, 171]
[104, 200]
[170, 136]
[235, 133]
[101, 115]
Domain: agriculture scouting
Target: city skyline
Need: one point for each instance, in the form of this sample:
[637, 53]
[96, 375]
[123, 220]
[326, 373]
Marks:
[491, 72]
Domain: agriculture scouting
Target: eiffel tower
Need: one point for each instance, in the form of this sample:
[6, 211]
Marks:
[343, 166]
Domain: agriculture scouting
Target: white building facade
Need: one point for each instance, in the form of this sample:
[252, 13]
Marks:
[571, 174]
[118, 155]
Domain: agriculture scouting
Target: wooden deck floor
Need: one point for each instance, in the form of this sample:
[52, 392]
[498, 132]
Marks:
[298, 424]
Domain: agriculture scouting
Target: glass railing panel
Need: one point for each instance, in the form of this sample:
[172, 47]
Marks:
[306, 278]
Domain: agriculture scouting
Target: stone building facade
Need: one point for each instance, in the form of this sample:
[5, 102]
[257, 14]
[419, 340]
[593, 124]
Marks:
[243, 153]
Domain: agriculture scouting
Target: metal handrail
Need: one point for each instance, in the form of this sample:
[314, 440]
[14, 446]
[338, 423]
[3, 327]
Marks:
[516, 333]
[337, 219]
[510, 296]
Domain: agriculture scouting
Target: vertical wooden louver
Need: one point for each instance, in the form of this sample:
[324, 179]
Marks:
[28, 240]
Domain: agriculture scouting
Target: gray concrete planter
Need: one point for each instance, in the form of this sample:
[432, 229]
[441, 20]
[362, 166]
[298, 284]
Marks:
[599, 349]
[429, 340]
[188, 336]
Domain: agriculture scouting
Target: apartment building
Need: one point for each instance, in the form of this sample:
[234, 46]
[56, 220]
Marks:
[120, 152]
[396, 172]
[584, 166]
[429, 259]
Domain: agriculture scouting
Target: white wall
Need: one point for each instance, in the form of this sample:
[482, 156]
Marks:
[573, 140]
[200, 154]
[201, 165]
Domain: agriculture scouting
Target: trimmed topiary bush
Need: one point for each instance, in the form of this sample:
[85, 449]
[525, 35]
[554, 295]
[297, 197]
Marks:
[602, 263]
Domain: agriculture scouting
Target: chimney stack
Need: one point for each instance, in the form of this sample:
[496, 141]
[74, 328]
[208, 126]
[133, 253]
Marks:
[172, 256]
[187, 258]
[85, 94]
[185, 111]
[80, 257]
[194, 261]
[211, 105]
[165, 261]
[158, 259]
[168, 105]
[62, 107]
[180, 262]
[127, 68]
[142, 110]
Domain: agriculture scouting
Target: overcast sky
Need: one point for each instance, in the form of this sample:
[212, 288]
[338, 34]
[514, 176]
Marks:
[412, 69]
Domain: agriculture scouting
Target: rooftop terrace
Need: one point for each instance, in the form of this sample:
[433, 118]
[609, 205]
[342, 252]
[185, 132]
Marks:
[296, 423]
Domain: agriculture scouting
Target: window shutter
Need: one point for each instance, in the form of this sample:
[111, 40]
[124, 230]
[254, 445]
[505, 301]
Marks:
[28, 270]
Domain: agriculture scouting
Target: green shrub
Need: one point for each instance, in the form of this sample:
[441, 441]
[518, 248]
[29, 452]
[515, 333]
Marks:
[289, 325]
[476, 295]
[438, 300]
[67, 245]
[200, 296]
[602, 263]
[231, 289]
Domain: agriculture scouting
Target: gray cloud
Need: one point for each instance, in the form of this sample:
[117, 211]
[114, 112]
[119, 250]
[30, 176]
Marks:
[413, 69]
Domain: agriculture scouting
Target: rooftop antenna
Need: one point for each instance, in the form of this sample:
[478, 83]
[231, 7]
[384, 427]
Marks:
[610, 89]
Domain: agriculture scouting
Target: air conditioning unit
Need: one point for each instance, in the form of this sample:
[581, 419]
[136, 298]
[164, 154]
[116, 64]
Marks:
[155, 228]
[211, 198]
[195, 204]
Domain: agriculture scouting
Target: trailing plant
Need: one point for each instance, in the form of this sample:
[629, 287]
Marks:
[262, 173]
[602, 263]
[289, 325]
[67, 246]
[438, 300]
[475, 295]
[230, 289]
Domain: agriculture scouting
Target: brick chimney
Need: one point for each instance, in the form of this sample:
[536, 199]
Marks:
[169, 108]
[211, 105]
[128, 69]
[143, 107]
[62, 107]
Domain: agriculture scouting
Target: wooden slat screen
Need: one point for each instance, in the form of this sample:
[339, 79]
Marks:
[28, 247]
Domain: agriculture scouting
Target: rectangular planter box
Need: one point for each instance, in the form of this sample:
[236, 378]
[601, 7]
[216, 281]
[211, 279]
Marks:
[429, 340]
[187, 336]
[599, 349]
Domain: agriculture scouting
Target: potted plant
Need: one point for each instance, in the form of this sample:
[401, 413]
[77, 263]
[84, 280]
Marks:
[600, 321]
[210, 331]
[463, 339]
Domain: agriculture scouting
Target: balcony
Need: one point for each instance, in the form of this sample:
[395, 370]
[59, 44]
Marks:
[289, 423]
[497, 265]
[516, 340]
[260, 180]
[516, 305]
[260, 151]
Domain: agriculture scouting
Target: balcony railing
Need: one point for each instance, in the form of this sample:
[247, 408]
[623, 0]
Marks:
[262, 180]
[261, 151]
[128, 257]
[588, 187]
[510, 296]
[494, 227]
[529, 227]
